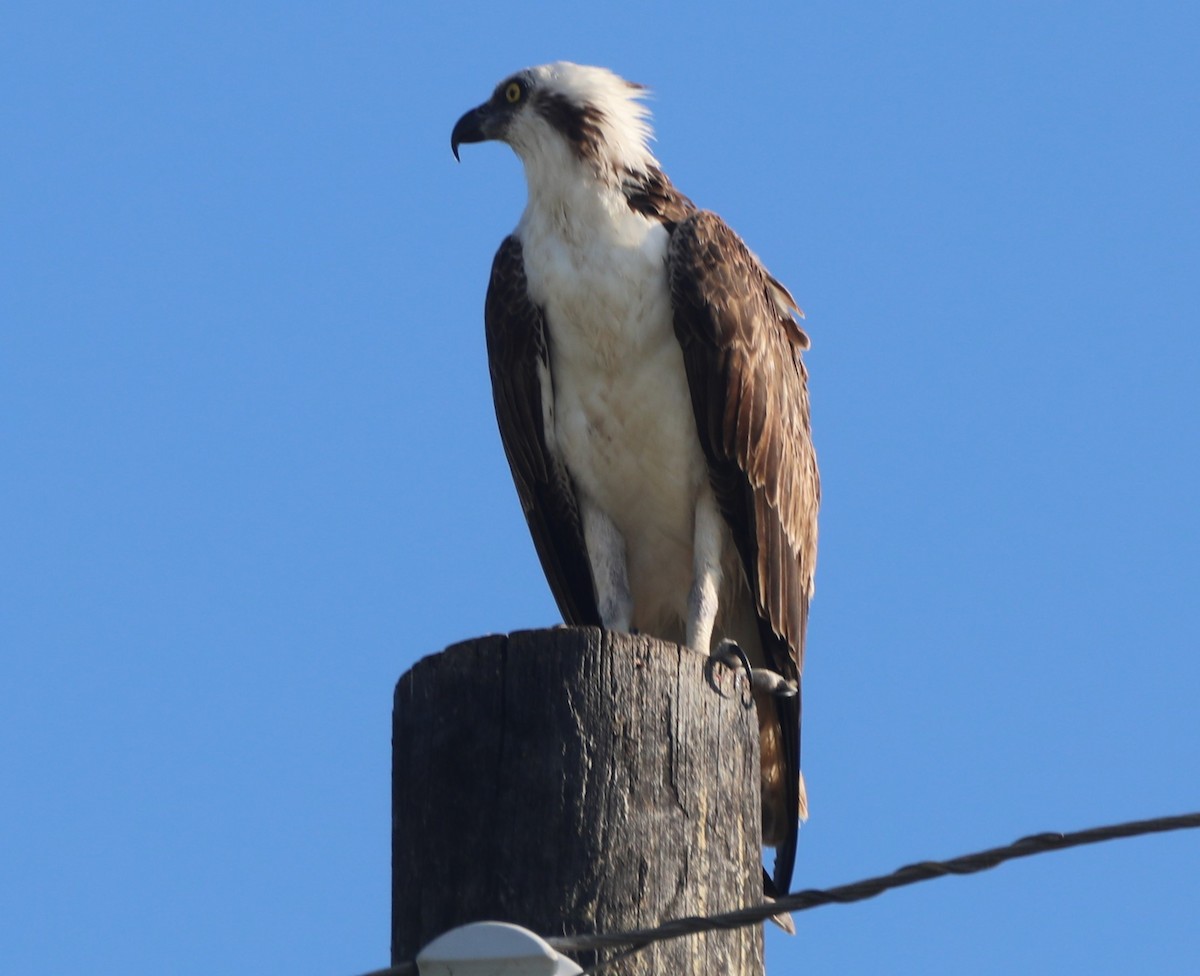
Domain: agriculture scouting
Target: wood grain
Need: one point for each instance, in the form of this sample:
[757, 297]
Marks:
[571, 780]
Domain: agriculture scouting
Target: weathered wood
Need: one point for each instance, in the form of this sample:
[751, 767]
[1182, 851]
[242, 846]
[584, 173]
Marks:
[574, 781]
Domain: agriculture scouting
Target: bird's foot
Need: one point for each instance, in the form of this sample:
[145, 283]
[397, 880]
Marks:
[731, 655]
[761, 679]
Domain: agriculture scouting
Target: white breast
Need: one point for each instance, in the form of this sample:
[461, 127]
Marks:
[622, 414]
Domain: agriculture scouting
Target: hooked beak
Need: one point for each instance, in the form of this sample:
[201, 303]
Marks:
[478, 125]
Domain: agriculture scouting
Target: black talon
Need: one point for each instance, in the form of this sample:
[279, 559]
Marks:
[731, 652]
[762, 680]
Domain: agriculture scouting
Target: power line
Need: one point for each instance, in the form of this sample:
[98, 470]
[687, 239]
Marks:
[870, 887]
[637, 939]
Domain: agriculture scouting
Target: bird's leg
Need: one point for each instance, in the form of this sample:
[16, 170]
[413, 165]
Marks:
[707, 537]
[606, 553]
[702, 600]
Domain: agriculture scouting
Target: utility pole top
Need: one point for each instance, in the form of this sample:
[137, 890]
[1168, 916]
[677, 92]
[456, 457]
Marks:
[573, 781]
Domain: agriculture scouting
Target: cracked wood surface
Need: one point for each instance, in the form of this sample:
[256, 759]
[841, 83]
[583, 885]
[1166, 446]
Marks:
[571, 781]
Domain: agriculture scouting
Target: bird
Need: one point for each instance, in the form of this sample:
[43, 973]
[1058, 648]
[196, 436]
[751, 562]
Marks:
[653, 405]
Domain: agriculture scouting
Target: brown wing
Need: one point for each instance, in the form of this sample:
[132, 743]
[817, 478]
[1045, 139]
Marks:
[517, 351]
[749, 388]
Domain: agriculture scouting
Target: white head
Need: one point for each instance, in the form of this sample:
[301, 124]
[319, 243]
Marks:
[563, 111]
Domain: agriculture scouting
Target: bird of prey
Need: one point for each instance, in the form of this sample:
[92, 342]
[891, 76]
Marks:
[653, 404]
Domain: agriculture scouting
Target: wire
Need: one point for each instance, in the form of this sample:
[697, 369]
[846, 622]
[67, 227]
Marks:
[637, 939]
[861, 890]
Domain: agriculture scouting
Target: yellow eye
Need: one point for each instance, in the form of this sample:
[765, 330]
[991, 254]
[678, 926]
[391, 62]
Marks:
[513, 93]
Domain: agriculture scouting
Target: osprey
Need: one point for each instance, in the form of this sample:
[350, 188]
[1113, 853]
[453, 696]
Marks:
[653, 404]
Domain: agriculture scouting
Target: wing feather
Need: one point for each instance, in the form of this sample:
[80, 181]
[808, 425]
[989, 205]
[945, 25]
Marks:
[518, 360]
[749, 390]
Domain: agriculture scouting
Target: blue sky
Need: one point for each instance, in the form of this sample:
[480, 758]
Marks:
[250, 469]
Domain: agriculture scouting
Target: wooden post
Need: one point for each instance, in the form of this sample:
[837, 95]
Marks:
[572, 781]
